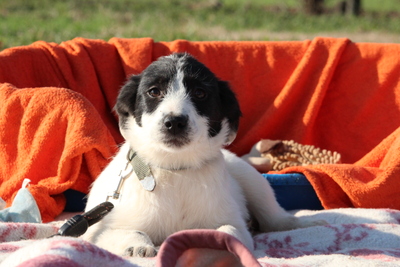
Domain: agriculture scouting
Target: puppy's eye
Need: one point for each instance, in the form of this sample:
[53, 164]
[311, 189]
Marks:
[154, 92]
[199, 93]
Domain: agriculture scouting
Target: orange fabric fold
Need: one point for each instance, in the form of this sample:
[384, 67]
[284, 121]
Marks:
[372, 182]
[328, 92]
[55, 138]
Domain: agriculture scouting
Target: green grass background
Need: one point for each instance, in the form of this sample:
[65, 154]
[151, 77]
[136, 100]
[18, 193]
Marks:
[25, 21]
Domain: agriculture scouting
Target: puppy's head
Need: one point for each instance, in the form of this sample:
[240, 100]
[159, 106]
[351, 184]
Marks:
[177, 113]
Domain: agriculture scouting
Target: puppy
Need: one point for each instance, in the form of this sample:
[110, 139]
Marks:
[176, 117]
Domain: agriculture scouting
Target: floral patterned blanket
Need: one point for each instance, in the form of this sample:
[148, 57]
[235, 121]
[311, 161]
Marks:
[361, 237]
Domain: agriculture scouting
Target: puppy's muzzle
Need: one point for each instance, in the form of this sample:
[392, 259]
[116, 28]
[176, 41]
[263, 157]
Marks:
[176, 125]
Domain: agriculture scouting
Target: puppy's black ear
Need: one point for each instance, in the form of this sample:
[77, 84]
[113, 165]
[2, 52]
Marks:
[126, 100]
[230, 109]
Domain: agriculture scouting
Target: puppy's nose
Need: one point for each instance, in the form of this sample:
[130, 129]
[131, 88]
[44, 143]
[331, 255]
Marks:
[175, 124]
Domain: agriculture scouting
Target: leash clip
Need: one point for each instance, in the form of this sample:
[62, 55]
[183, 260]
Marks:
[125, 173]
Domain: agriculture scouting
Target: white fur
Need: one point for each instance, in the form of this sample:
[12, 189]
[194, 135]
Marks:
[214, 190]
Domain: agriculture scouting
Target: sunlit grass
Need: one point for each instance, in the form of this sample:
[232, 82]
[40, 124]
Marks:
[23, 22]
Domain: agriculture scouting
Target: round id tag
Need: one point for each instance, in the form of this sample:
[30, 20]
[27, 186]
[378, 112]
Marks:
[148, 183]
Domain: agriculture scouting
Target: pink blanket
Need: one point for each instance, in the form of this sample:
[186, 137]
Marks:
[352, 237]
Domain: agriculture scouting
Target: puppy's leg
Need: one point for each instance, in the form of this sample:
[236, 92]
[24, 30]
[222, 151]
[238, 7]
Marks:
[261, 200]
[126, 242]
[240, 233]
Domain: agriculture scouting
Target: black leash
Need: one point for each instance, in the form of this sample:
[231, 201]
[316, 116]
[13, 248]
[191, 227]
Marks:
[78, 225]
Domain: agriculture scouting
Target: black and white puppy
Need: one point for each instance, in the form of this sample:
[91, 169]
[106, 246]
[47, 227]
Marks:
[176, 118]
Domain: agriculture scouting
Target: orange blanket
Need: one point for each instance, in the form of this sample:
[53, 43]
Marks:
[54, 137]
[330, 93]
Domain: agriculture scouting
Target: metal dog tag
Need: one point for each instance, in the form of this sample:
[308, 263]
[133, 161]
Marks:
[148, 183]
[143, 172]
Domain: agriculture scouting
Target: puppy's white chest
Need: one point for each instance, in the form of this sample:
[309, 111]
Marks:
[180, 200]
[203, 198]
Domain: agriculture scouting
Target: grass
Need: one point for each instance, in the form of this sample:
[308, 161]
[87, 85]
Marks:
[23, 22]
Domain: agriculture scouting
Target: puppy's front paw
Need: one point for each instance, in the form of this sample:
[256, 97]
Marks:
[140, 251]
[123, 242]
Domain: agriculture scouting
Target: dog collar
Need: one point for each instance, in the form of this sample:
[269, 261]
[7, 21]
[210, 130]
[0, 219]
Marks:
[142, 170]
[143, 173]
